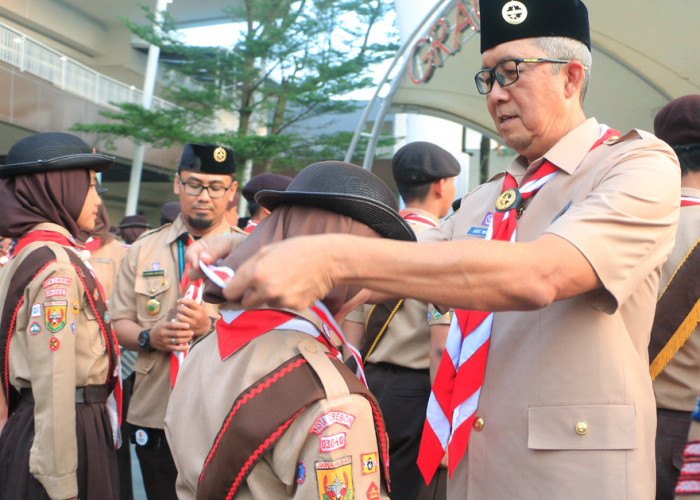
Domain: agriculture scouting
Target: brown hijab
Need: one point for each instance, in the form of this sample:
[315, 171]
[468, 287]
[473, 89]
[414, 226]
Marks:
[55, 196]
[288, 221]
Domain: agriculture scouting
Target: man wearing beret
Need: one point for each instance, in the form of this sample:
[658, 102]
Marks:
[149, 291]
[395, 335]
[131, 227]
[544, 390]
[276, 182]
[674, 350]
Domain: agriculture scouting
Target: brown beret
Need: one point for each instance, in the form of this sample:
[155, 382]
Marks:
[678, 123]
[274, 182]
[420, 162]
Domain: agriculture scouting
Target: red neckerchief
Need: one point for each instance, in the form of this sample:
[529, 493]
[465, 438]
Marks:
[92, 244]
[42, 235]
[689, 201]
[251, 225]
[417, 218]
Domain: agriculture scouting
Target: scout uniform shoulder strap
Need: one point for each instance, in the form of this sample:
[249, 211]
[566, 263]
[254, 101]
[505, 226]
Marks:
[261, 414]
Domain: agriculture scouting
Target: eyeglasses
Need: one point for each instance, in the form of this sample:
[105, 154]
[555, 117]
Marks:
[194, 188]
[507, 72]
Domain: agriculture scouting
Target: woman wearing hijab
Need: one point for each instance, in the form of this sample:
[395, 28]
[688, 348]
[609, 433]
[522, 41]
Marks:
[58, 354]
[264, 408]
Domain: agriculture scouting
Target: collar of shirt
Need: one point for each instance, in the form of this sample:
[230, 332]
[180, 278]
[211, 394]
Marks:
[177, 228]
[423, 213]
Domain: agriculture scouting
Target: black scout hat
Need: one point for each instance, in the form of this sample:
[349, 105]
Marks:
[506, 20]
[274, 182]
[207, 159]
[134, 221]
[347, 190]
[52, 151]
[678, 123]
[420, 162]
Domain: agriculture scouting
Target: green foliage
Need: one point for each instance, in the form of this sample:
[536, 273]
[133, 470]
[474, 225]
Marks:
[291, 61]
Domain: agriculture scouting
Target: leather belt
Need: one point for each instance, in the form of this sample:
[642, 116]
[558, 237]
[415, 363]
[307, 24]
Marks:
[87, 394]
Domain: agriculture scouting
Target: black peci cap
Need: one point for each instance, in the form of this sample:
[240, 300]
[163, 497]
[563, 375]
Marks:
[207, 159]
[507, 20]
[420, 162]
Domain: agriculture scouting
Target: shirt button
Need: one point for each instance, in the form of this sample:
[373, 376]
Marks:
[581, 428]
[479, 423]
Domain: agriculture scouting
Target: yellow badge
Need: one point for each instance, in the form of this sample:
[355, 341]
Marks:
[75, 306]
[334, 479]
[152, 306]
[219, 154]
[507, 199]
[55, 315]
[369, 463]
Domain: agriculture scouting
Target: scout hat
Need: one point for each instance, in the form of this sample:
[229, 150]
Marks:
[207, 159]
[347, 190]
[273, 182]
[507, 20]
[420, 162]
[678, 123]
[134, 221]
[52, 151]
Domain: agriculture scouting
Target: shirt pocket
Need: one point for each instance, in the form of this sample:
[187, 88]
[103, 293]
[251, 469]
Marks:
[151, 298]
[582, 427]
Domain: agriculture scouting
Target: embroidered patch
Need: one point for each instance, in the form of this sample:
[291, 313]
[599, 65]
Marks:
[36, 311]
[57, 280]
[373, 492]
[54, 344]
[332, 417]
[75, 306]
[369, 463]
[334, 479]
[55, 292]
[301, 472]
[488, 218]
[331, 442]
[72, 326]
[106, 317]
[96, 295]
[55, 315]
[477, 231]
[34, 328]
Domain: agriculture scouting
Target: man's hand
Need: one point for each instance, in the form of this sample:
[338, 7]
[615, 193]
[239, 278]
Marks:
[192, 313]
[168, 336]
[209, 250]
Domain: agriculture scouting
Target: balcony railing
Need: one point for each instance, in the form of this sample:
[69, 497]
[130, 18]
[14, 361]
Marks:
[31, 56]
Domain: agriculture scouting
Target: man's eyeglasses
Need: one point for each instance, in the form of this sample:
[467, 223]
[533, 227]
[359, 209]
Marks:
[507, 72]
[194, 188]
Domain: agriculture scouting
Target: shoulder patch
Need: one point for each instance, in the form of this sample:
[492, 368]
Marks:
[332, 417]
[334, 479]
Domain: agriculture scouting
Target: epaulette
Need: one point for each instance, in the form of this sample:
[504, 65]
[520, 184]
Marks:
[152, 231]
[497, 176]
[615, 139]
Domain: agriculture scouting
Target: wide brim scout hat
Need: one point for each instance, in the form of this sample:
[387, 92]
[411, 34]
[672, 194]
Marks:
[273, 182]
[507, 20]
[207, 159]
[420, 162]
[347, 190]
[134, 221]
[52, 151]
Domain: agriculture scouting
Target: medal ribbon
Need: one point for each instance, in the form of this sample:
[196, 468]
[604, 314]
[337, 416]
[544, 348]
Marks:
[455, 393]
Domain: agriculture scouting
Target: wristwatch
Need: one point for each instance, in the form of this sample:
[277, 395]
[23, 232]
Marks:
[144, 340]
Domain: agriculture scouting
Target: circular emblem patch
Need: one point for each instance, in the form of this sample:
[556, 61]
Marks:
[152, 306]
[508, 200]
[96, 295]
[219, 154]
[514, 12]
[34, 328]
[54, 343]
[141, 437]
[301, 472]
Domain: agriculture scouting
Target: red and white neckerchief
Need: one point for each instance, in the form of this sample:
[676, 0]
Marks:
[417, 218]
[251, 225]
[688, 201]
[194, 291]
[92, 244]
[43, 235]
[455, 393]
[235, 328]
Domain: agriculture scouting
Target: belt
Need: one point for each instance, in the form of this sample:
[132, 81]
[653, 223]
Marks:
[87, 394]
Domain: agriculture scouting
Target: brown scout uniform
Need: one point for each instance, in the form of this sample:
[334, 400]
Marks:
[296, 467]
[105, 261]
[52, 356]
[150, 272]
[567, 409]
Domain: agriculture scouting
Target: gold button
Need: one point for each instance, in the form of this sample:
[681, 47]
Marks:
[582, 428]
[479, 423]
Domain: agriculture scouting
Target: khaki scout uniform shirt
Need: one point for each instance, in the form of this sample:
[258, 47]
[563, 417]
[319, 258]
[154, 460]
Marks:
[406, 341]
[53, 357]
[150, 270]
[105, 261]
[206, 389]
[567, 406]
[678, 385]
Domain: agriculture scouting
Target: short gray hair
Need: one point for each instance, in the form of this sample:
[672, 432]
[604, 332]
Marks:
[558, 47]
